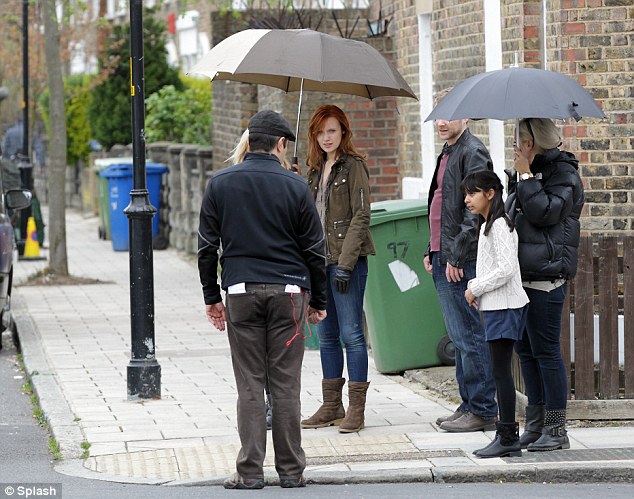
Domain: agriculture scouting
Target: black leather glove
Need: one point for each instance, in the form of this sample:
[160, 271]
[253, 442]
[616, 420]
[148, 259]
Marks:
[342, 280]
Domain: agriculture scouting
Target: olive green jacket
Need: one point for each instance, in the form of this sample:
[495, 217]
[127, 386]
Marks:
[347, 220]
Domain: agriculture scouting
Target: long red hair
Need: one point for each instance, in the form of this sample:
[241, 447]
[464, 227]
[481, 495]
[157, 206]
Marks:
[316, 156]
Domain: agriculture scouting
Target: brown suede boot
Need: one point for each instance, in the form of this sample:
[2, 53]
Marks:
[355, 417]
[331, 411]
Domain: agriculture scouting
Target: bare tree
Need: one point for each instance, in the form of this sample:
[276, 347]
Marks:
[58, 261]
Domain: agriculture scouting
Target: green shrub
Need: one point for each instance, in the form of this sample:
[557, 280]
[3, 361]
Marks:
[77, 95]
[180, 116]
[77, 123]
[110, 108]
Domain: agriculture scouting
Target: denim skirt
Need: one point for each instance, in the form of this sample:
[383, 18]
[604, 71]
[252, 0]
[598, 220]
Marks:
[508, 323]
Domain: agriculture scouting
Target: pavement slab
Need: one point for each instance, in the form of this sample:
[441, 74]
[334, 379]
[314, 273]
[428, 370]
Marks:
[76, 346]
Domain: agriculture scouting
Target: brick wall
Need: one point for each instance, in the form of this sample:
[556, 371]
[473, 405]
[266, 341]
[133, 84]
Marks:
[403, 31]
[457, 53]
[589, 40]
[233, 104]
[458, 41]
[592, 41]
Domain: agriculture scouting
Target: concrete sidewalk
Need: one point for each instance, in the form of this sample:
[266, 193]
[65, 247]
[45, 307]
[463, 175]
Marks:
[76, 340]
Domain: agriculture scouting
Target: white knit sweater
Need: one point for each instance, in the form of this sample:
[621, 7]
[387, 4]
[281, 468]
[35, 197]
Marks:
[498, 282]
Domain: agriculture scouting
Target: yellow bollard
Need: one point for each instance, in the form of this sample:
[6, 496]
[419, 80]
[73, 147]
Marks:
[31, 245]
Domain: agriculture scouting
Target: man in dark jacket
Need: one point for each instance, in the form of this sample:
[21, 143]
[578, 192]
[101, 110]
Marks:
[274, 272]
[451, 259]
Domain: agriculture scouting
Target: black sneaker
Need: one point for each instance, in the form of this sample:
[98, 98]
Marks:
[292, 483]
[236, 481]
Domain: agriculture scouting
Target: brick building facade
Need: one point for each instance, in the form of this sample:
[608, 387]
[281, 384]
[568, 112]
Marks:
[436, 44]
[589, 40]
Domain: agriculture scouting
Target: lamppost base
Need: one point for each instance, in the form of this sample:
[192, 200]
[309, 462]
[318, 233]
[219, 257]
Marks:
[144, 379]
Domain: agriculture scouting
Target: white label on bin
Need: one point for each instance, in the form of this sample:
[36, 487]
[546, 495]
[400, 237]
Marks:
[404, 275]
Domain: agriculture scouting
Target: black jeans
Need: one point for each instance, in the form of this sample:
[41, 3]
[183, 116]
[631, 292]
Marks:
[265, 327]
[539, 350]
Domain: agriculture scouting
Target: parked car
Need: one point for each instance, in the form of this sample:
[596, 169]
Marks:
[10, 202]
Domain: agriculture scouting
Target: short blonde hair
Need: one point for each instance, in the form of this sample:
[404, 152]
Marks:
[542, 131]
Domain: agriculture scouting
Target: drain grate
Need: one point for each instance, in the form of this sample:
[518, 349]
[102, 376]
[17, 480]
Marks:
[574, 455]
[399, 456]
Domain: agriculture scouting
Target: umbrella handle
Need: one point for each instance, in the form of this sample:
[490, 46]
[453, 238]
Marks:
[295, 160]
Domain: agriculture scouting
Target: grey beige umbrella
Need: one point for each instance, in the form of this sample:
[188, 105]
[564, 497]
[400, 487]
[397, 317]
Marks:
[303, 59]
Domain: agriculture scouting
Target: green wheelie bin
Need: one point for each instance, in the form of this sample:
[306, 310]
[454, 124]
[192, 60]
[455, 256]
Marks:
[105, 229]
[405, 324]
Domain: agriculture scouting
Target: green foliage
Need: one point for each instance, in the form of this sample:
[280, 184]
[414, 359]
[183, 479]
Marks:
[78, 96]
[180, 116]
[86, 446]
[110, 108]
[38, 413]
[77, 123]
[53, 446]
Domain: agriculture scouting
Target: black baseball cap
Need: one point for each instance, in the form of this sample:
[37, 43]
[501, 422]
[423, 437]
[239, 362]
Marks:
[271, 123]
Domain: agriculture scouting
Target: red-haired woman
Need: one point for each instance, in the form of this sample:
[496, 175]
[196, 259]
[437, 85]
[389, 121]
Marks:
[339, 180]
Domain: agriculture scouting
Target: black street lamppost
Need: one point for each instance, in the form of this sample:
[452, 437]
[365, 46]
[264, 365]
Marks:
[144, 371]
[25, 166]
[25, 79]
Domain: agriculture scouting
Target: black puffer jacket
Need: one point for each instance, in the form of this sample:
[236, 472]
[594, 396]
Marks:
[546, 211]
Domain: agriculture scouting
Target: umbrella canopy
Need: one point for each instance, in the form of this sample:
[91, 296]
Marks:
[514, 93]
[296, 59]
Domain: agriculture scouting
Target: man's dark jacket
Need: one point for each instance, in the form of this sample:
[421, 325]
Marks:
[265, 218]
[458, 226]
[546, 211]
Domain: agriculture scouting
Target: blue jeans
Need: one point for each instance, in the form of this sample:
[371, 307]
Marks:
[539, 350]
[344, 323]
[474, 373]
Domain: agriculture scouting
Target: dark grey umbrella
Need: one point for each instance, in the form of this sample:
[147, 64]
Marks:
[514, 93]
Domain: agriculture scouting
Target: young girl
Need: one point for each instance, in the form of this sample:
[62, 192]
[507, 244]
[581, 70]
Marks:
[498, 293]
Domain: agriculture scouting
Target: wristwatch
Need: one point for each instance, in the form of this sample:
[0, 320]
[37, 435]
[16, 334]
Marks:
[526, 176]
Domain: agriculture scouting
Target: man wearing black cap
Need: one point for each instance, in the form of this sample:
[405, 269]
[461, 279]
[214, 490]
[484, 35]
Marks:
[274, 275]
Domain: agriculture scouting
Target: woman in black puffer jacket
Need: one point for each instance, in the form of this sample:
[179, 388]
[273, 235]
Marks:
[545, 199]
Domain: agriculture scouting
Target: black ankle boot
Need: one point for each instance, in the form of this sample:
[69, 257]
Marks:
[486, 448]
[534, 425]
[553, 438]
[554, 435]
[506, 443]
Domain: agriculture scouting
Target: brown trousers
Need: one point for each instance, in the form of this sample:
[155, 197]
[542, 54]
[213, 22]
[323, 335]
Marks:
[260, 324]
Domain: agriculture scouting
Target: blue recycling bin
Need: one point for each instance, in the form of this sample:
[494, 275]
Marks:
[120, 179]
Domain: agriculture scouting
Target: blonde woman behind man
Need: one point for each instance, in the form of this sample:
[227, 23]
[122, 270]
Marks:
[242, 147]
